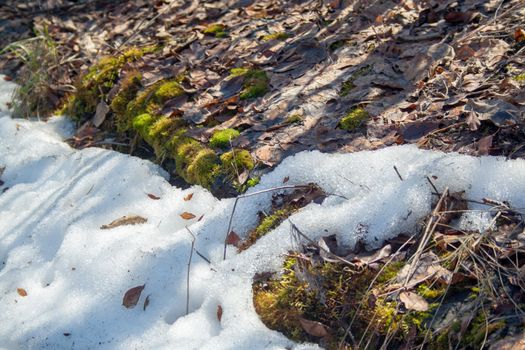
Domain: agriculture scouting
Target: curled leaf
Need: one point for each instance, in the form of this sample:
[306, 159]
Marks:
[152, 196]
[219, 312]
[132, 296]
[188, 197]
[22, 292]
[125, 220]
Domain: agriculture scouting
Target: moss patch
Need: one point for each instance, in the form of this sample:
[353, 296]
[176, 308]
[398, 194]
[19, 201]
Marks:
[218, 30]
[275, 36]
[255, 84]
[520, 78]
[353, 119]
[348, 85]
[222, 138]
[94, 86]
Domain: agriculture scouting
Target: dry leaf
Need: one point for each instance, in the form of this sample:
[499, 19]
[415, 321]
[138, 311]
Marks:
[219, 312]
[152, 196]
[22, 292]
[317, 329]
[285, 180]
[125, 220]
[413, 301]
[233, 239]
[132, 296]
[100, 114]
[188, 197]
[187, 216]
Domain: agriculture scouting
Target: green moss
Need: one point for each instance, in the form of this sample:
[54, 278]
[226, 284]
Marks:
[253, 181]
[142, 123]
[478, 328]
[236, 161]
[430, 293]
[195, 163]
[520, 78]
[255, 84]
[275, 36]
[168, 90]
[94, 86]
[294, 118]
[390, 271]
[348, 85]
[222, 138]
[201, 170]
[119, 105]
[218, 30]
[353, 119]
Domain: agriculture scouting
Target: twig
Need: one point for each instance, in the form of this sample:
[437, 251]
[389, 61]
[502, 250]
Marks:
[398, 174]
[188, 271]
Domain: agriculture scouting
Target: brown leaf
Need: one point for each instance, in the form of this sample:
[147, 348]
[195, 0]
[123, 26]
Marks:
[413, 301]
[461, 17]
[314, 328]
[125, 220]
[219, 312]
[484, 145]
[285, 180]
[22, 292]
[146, 303]
[187, 216]
[188, 197]
[233, 239]
[152, 196]
[132, 296]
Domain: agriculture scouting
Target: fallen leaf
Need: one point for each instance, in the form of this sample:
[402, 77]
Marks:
[132, 296]
[200, 218]
[461, 17]
[413, 301]
[152, 196]
[484, 145]
[188, 197]
[22, 292]
[233, 239]
[285, 180]
[187, 216]
[125, 220]
[219, 312]
[314, 328]
[100, 114]
[146, 303]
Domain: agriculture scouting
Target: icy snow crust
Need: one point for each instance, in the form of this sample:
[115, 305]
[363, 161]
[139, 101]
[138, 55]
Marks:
[76, 274]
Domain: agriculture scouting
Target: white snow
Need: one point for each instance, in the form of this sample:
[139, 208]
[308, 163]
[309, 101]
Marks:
[76, 274]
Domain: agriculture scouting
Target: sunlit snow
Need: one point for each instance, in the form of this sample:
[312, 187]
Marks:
[55, 199]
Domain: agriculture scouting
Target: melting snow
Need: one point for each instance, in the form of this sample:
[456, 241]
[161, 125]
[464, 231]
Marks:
[55, 199]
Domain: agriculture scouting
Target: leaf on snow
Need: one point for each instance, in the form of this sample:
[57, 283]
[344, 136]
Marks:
[125, 220]
[146, 303]
[233, 239]
[219, 312]
[187, 216]
[22, 292]
[132, 296]
[188, 197]
[152, 196]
